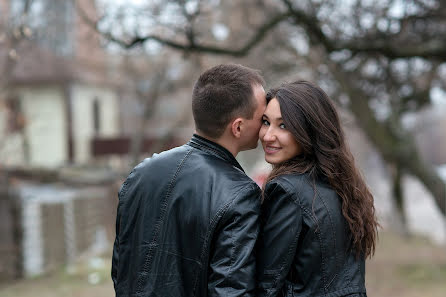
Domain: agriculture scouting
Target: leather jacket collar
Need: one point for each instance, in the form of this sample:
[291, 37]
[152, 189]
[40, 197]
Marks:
[202, 143]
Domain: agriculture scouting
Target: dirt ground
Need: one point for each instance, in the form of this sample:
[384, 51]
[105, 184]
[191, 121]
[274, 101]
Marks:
[411, 267]
[401, 267]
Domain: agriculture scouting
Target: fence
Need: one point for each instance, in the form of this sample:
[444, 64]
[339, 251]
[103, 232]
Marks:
[47, 225]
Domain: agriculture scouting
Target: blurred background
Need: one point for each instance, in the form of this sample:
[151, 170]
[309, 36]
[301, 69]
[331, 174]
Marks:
[90, 88]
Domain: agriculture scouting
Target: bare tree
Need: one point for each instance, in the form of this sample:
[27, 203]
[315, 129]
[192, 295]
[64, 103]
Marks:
[382, 59]
[149, 79]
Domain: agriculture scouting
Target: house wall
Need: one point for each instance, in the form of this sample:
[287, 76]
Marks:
[45, 141]
[45, 125]
[82, 98]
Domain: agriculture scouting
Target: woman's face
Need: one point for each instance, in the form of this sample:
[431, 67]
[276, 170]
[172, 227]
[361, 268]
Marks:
[278, 143]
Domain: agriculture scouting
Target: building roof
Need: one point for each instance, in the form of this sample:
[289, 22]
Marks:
[35, 65]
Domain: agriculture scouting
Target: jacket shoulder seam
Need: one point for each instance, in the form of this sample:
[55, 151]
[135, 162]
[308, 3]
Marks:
[288, 187]
[153, 244]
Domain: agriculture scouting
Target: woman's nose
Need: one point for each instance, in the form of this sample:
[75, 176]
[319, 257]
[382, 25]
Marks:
[269, 135]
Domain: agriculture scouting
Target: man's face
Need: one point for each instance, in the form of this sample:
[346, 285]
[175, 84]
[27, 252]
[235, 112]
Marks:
[252, 126]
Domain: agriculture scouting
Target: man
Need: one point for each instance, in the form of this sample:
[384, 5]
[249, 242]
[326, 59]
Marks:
[187, 218]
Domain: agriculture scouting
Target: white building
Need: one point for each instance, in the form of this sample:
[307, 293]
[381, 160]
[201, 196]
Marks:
[61, 112]
[55, 92]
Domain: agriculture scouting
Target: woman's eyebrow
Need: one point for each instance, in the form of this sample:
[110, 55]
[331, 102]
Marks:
[277, 119]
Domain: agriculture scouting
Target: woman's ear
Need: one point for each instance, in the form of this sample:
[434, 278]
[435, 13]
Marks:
[236, 127]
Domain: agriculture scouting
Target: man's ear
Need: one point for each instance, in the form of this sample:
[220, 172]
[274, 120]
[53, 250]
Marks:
[236, 127]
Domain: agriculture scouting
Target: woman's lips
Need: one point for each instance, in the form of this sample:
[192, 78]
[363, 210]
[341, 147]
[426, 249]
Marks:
[271, 149]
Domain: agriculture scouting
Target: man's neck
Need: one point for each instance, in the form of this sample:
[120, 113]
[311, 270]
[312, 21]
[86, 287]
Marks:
[223, 141]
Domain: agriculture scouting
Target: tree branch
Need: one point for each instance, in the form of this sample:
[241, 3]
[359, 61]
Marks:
[386, 46]
[194, 47]
[260, 34]
[435, 48]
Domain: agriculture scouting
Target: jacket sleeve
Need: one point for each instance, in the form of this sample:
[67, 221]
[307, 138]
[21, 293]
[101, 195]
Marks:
[281, 224]
[232, 262]
[115, 256]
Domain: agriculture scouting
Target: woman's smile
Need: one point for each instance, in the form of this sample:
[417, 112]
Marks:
[271, 149]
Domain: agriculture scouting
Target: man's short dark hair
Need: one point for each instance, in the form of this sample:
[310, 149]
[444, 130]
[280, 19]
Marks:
[221, 94]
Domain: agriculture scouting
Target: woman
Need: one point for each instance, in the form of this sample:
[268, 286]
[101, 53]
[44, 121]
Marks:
[318, 218]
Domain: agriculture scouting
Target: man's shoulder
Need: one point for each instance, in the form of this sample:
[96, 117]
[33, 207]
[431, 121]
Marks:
[156, 166]
[164, 157]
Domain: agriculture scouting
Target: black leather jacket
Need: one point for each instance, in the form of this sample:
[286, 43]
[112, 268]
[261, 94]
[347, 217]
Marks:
[186, 225]
[304, 246]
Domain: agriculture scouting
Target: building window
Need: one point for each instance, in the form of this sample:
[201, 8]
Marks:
[96, 116]
[15, 117]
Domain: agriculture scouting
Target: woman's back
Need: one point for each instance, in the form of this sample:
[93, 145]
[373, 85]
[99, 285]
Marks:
[305, 245]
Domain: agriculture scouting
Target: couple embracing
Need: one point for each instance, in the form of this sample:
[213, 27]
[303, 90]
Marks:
[190, 222]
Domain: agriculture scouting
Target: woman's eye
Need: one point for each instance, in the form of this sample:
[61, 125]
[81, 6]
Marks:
[282, 126]
[265, 122]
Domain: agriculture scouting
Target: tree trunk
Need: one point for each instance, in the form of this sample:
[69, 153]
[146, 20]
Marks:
[136, 143]
[398, 198]
[399, 149]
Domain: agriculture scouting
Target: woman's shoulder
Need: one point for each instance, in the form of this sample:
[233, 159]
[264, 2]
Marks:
[286, 185]
[289, 182]
[300, 185]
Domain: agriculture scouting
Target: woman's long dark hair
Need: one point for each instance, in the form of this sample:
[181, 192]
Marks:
[311, 117]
